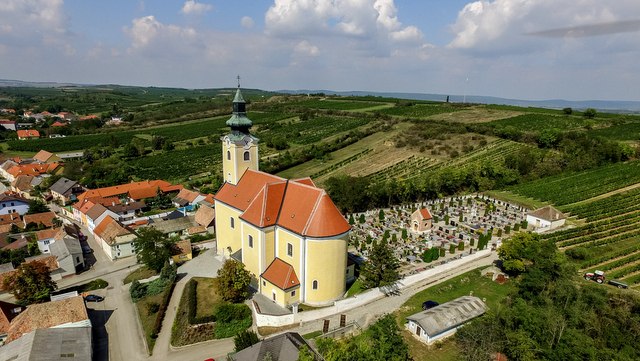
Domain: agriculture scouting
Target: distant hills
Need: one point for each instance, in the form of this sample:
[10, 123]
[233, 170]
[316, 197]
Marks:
[613, 106]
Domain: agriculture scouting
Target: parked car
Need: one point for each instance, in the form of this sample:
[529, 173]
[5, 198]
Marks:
[618, 284]
[93, 298]
[427, 305]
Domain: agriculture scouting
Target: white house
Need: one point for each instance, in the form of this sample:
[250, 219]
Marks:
[546, 218]
[45, 238]
[13, 204]
[443, 320]
[115, 240]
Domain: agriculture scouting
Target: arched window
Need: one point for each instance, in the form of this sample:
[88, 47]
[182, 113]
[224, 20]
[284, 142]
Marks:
[315, 284]
[247, 156]
[228, 155]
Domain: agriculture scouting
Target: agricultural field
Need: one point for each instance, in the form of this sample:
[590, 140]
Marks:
[541, 121]
[569, 188]
[609, 239]
[476, 114]
[421, 111]
[334, 104]
[624, 132]
[175, 164]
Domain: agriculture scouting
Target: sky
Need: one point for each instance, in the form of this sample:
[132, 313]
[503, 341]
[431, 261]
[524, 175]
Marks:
[521, 49]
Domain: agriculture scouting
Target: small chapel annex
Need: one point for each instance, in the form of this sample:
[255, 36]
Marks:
[287, 233]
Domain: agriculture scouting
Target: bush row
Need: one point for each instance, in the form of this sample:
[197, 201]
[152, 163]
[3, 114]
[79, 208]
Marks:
[192, 305]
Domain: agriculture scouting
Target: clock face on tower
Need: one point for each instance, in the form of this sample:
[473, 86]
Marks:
[247, 142]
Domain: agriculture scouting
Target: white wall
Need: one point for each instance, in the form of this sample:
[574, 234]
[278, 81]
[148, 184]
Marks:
[18, 207]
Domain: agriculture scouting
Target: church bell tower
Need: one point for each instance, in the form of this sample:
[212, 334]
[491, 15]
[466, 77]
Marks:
[239, 147]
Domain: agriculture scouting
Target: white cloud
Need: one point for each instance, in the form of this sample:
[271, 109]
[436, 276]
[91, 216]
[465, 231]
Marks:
[247, 22]
[504, 24]
[145, 30]
[306, 48]
[192, 7]
[363, 19]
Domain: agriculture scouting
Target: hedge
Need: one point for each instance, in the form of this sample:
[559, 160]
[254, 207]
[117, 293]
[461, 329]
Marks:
[163, 309]
[192, 305]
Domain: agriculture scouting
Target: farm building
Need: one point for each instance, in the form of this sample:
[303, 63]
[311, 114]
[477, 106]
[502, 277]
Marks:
[443, 321]
[421, 221]
[546, 218]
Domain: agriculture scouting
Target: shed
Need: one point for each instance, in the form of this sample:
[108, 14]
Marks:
[546, 217]
[443, 321]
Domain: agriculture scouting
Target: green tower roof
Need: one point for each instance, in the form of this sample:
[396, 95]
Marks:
[239, 120]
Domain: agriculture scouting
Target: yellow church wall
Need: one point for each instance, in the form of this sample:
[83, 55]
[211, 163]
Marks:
[326, 263]
[251, 255]
[233, 163]
[283, 238]
[226, 236]
[283, 298]
[242, 165]
[269, 247]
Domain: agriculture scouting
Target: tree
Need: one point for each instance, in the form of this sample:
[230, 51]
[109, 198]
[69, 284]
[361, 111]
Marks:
[361, 219]
[245, 339]
[37, 206]
[381, 215]
[589, 113]
[405, 235]
[153, 248]
[233, 281]
[30, 283]
[567, 111]
[517, 252]
[381, 269]
[351, 220]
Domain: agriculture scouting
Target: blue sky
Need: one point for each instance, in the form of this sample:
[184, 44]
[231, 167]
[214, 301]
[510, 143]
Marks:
[496, 47]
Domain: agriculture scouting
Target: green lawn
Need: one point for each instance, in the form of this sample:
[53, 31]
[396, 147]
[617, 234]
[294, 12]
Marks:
[148, 319]
[516, 199]
[355, 288]
[465, 284]
[139, 274]
[207, 297]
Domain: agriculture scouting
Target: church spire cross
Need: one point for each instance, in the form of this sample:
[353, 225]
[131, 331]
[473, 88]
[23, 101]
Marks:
[238, 77]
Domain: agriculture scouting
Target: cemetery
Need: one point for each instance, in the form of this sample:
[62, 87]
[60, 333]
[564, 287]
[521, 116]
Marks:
[426, 234]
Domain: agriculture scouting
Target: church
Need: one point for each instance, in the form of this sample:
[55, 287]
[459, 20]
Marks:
[287, 233]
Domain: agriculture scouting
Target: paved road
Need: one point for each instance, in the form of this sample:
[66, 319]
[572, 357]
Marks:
[125, 336]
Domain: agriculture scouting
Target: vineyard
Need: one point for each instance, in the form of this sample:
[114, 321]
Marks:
[610, 239]
[334, 104]
[417, 166]
[420, 110]
[314, 130]
[569, 188]
[178, 163]
[628, 131]
[541, 121]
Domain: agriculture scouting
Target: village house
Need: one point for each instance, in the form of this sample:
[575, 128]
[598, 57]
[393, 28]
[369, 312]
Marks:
[12, 203]
[115, 240]
[128, 211]
[33, 169]
[206, 217]
[288, 233]
[546, 218]
[8, 124]
[45, 238]
[133, 191]
[443, 321]
[46, 157]
[46, 219]
[173, 227]
[187, 197]
[68, 252]
[24, 134]
[24, 184]
[65, 190]
[8, 311]
[182, 252]
[34, 331]
[284, 347]
[96, 214]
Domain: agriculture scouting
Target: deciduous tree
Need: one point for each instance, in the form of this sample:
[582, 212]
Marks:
[153, 248]
[30, 283]
[233, 281]
[381, 268]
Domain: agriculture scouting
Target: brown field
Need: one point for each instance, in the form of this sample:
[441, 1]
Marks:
[478, 114]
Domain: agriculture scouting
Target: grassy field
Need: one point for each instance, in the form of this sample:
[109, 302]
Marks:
[148, 319]
[207, 296]
[516, 199]
[476, 114]
[470, 283]
[141, 273]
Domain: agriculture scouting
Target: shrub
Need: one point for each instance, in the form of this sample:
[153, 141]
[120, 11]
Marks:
[232, 311]
[192, 305]
[137, 290]
[163, 309]
[152, 308]
[245, 339]
[96, 285]
[156, 286]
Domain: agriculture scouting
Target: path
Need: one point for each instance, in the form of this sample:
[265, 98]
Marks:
[365, 315]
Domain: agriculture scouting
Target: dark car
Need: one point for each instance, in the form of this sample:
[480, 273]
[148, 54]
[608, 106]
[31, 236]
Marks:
[86, 249]
[93, 298]
[426, 305]
[618, 284]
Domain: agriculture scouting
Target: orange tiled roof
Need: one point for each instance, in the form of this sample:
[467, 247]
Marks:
[47, 315]
[7, 314]
[32, 169]
[58, 124]
[188, 195]
[10, 218]
[425, 213]
[87, 117]
[109, 229]
[281, 274]
[135, 190]
[28, 133]
[268, 200]
[47, 234]
[43, 156]
[45, 218]
[23, 183]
